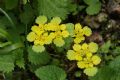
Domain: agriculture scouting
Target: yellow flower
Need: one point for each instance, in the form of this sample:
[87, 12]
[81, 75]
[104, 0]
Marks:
[96, 59]
[31, 36]
[71, 55]
[76, 47]
[87, 31]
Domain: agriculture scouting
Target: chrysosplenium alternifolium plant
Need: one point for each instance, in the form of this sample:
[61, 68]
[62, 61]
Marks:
[45, 33]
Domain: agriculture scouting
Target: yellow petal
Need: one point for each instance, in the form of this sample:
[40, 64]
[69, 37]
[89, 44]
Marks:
[77, 40]
[81, 64]
[88, 55]
[91, 71]
[56, 20]
[76, 47]
[87, 31]
[93, 47]
[96, 60]
[39, 42]
[65, 34]
[59, 42]
[38, 48]
[78, 26]
[71, 55]
[37, 30]
[84, 46]
[41, 20]
[78, 57]
[62, 26]
[31, 36]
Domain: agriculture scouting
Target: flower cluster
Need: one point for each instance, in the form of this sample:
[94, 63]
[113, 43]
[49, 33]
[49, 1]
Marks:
[84, 53]
[45, 33]
[80, 32]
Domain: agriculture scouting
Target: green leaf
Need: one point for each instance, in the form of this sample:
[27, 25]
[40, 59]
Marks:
[109, 72]
[11, 4]
[116, 51]
[90, 2]
[19, 58]
[6, 63]
[104, 73]
[70, 28]
[27, 15]
[115, 64]
[52, 8]
[10, 48]
[38, 58]
[105, 47]
[93, 9]
[68, 42]
[50, 73]
[4, 33]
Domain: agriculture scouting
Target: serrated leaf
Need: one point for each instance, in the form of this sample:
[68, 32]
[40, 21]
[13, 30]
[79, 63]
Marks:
[19, 58]
[50, 72]
[51, 8]
[11, 4]
[6, 63]
[38, 58]
[93, 9]
[115, 64]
